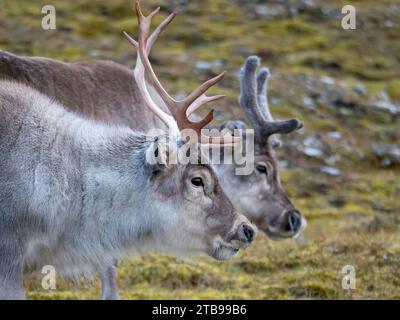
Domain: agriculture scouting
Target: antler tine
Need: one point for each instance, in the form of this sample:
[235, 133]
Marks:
[144, 23]
[210, 141]
[202, 100]
[156, 33]
[140, 79]
[178, 109]
[262, 99]
[248, 92]
[262, 92]
[254, 101]
[131, 40]
[144, 28]
[154, 36]
[200, 91]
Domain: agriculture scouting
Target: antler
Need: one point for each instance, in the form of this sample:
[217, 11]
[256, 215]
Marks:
[253, 99]
[179, 109]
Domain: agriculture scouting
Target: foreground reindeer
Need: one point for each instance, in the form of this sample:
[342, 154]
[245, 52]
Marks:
[107, 91]
[77, 194]
[112, 95]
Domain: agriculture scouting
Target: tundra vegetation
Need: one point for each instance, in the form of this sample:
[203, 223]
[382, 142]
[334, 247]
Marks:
[341, 170]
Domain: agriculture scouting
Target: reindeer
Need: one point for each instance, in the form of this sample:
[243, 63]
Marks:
[260, 195]
[112, 95]
[78, 194]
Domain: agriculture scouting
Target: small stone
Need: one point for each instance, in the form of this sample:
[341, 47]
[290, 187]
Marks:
[327, 80]
[208, 65]
[313, 146]
[388, 24]
[360, 89]
[389, 154]
[330, 170]
[275, 100]
[266, 11]
[386, 105]
[312, 152]
[308, 103]
[334, 135]
[383, 95]
[333, 159]
[95, 53]
[309, 3]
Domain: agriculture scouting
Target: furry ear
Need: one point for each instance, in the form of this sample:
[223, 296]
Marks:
[276, 143]
[157, 154]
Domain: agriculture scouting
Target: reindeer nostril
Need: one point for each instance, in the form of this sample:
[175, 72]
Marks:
[248, 233]
[294, 221]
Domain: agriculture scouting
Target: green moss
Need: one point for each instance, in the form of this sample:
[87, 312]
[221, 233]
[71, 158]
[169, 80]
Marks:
[312, 291]
[393, 89]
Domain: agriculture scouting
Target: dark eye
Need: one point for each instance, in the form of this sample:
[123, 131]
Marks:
[261, 168]
[198, 182]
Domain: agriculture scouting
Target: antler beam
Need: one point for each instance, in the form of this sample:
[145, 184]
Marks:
[179, 109]
[253, 99]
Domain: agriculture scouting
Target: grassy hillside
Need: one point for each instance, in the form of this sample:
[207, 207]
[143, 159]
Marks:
[342, 170]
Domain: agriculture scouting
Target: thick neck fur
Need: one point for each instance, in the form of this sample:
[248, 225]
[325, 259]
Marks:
[83, 184]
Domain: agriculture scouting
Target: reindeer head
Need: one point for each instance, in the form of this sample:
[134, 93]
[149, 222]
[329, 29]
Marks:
[193, 210]
[260, 195]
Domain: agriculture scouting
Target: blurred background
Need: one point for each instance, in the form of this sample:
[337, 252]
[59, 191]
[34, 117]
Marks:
[342, 170]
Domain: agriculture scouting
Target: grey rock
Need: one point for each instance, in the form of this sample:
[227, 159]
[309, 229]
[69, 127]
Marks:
[327, 80]
[275, 100]
[264, 10]
[312, 152]
[334, 135]
[389, 154]
[208, 65]
[360, 89]
[313, 146]
[330, 170]
[308, 103]
[388, 106]
[95, 53]
[333, 159]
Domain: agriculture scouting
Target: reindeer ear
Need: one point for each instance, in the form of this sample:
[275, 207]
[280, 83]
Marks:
[156, 155]
[276, 143]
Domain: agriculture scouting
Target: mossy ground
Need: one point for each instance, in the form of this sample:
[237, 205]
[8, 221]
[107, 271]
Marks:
[354, 219]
